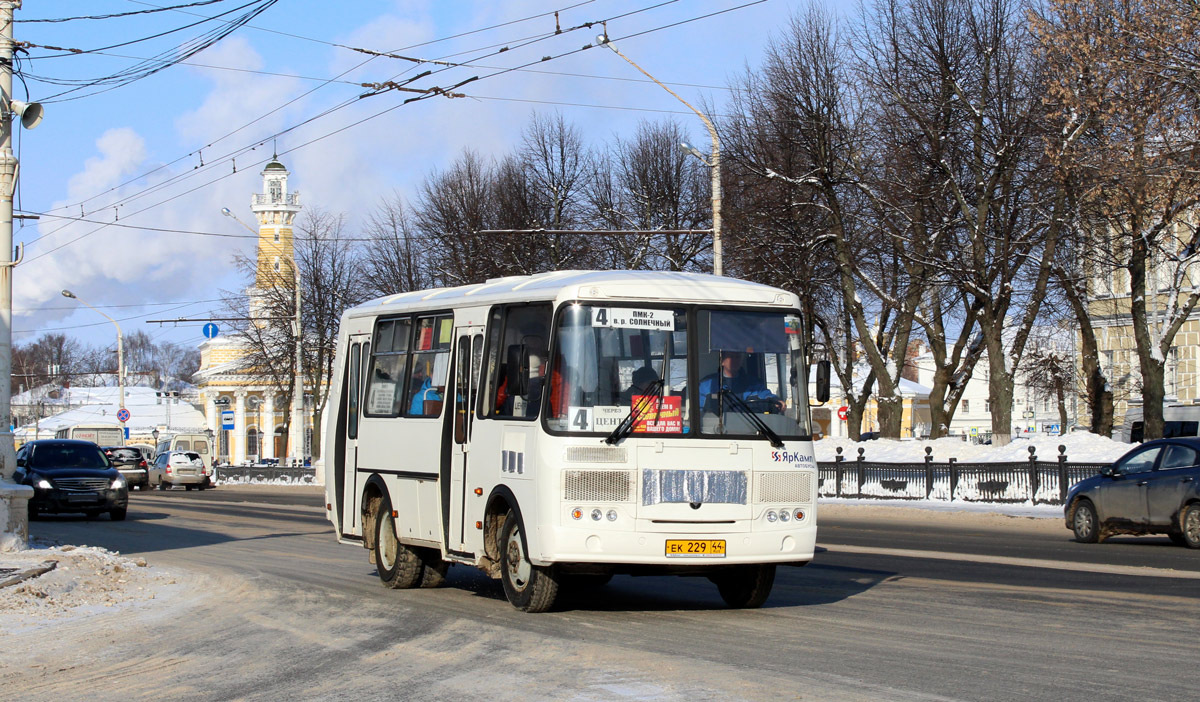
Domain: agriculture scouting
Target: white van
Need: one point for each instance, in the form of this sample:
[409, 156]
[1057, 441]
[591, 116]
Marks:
[1178, 420]
[198, 443]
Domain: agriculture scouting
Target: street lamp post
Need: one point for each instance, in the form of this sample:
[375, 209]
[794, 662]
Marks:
[297, 409]
[120, 354]
[713, 162]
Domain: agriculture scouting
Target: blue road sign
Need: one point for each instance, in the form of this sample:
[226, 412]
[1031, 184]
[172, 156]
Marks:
[123, 415]
[227, 419]
[127, 433]
[210, 330]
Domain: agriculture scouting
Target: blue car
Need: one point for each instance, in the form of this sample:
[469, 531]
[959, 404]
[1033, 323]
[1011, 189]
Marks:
[1153, 489]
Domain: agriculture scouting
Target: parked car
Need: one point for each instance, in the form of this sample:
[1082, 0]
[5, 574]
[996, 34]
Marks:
[68, 475]
[1153, 489]
[131, 463]
[180, 468]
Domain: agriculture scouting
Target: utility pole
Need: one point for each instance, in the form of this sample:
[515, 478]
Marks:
[14, 511]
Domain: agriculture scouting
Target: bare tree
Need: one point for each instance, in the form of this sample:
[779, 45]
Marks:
[1120, 75]
[1049, 369]
[454, 207]
[394, 258]
[647, 183]
[326, 269]
[330, 283]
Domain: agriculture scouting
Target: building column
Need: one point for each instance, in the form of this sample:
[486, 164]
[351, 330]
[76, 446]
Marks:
[267, 450]
[212, 416]
[239, 428]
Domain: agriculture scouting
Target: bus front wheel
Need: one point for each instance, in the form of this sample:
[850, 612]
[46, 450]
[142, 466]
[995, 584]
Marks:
[745, 587]
[528, 587]
[398, 566]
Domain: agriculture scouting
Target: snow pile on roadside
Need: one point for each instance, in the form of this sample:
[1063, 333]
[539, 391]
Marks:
[1081, 447]
[86, 579]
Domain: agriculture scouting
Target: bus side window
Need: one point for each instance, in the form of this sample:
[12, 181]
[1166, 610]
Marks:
[352, 392]
[385, 386]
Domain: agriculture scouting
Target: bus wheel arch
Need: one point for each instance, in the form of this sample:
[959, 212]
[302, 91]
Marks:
[500, 501]
[372, 497]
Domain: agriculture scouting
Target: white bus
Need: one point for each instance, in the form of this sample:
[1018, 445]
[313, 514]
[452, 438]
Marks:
[99, 433]
[569, 426]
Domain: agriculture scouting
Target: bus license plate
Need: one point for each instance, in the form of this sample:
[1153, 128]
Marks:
[695, 548]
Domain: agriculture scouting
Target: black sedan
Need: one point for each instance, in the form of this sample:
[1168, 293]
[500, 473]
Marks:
[71, 476]
[131, 463]
[1153, 489]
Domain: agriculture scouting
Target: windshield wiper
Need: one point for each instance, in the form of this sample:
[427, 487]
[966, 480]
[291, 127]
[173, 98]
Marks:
[740, 405]
[650, 398]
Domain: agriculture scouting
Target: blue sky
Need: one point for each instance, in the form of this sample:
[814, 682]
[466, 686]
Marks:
[134, 153]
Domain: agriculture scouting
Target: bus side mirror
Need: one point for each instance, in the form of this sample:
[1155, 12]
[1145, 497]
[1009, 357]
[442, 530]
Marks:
[823, 381]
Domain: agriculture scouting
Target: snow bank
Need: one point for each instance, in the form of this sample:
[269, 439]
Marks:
[86, 580]
[1081, 447]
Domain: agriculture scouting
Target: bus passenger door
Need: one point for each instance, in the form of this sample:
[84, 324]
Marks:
[468, 351]
[346, 485]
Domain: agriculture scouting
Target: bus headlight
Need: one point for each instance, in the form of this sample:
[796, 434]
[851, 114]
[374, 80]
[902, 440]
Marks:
[784, 516]
[771, 516]
[597, 514]
[612, 515]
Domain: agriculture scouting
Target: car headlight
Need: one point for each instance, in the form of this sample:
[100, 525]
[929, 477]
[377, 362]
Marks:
[118, 483]
[43, 484]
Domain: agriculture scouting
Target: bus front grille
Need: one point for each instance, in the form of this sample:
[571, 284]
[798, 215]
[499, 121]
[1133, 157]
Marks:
[598, 485]
[793, 487]
[596, 454]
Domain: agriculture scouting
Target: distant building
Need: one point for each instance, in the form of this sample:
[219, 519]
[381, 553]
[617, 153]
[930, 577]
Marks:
[1109, 296]
[228, 387]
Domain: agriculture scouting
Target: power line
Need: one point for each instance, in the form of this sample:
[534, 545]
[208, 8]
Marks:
[198, 3]
[429, 93]
[305, 94]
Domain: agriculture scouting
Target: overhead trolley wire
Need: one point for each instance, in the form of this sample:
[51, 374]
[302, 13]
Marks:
[431, 92]
[134, 179]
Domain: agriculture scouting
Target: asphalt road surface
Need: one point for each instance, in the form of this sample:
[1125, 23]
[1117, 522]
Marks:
[898, 605]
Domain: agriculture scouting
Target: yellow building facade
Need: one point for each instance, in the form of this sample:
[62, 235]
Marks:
[1109, 298]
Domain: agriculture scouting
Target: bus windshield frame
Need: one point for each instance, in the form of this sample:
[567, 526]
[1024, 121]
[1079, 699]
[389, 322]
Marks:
[657, 368]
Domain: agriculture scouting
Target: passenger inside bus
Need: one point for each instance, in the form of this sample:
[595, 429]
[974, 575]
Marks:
[643, 378]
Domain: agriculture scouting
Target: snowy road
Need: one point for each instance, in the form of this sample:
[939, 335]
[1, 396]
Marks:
[270, 607]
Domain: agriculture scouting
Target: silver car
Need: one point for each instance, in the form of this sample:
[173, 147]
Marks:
[179, 468]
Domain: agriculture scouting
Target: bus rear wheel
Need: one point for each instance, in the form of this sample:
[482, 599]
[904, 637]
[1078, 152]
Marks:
[398, 566]
[745, 587]
[529, 588]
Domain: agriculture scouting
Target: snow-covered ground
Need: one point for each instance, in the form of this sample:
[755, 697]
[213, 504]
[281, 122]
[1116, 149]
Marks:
[85, 580]
[1081, 447]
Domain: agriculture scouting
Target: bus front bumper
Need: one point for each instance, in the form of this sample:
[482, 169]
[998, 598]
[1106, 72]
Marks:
[582, 545]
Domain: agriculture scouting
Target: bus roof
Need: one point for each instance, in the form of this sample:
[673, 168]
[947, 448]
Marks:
[584, 285]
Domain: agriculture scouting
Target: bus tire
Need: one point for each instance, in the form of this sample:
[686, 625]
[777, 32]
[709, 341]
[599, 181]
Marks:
[529, 588]
[398, 566]
[746, 587]
[435, 568]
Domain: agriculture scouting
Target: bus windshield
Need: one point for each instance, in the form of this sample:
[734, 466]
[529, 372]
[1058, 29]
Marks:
[665, 371]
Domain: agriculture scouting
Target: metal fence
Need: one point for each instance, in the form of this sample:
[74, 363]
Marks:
[1034, 481]
[264, 473]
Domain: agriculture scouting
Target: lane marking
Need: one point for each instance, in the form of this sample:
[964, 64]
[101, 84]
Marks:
[1144, 571]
